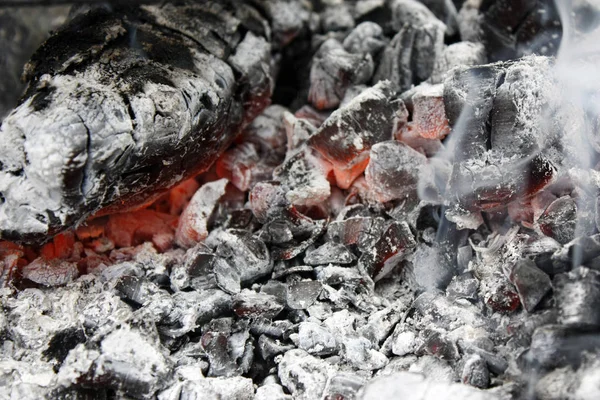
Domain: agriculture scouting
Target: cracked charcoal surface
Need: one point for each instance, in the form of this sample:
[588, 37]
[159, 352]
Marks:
[317, 271]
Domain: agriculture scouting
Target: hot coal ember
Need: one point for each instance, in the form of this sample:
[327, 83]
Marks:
[407, 220]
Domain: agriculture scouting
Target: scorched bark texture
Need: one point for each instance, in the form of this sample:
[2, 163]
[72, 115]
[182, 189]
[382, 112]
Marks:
[124, 103]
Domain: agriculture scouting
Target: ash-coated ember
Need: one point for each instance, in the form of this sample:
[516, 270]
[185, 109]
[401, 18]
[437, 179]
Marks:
[301, 199]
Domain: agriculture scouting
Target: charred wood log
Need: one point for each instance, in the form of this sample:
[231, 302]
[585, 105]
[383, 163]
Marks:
[124, 103]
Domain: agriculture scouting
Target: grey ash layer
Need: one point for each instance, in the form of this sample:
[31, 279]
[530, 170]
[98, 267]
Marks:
[122, 104]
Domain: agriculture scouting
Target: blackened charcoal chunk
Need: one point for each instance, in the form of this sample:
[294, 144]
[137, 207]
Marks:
[54, 272]
[333, 71]
[360, 232]
[329, 253]
[196, 269]
[407, 385]
[531, 282]
[409, 58]
[559, 220]
[346, 137]
[302, 294]
[304, 376]
[367, 37]
[475, 372]
[125, 360]
[228, 347]
[316, 339]
[246, 255]
[297, 130]
[305, 232]
[140, 291]
[393, 246]
[432, 267]
[578, 297]
[249, 304]
[193, 308]
[445, 11]
[390, 163]
[463, 286]
[455, 55]
[269, 347]
[361, 354]
[556, 346]
[515, 28]
[267, 130]
[62, 342]
[439, 345]
[267, 200]
[344, 385]
[288, 19]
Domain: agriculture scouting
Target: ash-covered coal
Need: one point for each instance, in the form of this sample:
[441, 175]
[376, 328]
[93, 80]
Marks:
[415, 223]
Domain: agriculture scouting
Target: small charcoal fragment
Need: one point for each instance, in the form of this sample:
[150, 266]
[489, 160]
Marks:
[578, 298]
[344, 385]
[555, 346]
[297, 130]
[269, 347]
[361, 353]
[559, 220]
[438, 344]
[244, 254]
[249, 304]
[195, 270]
[346, 137]
[475, 372]
[329, 253]
[367, 37]
[302, 294]
[333, 71]
[463, 286]
[194, 222]
[428, 112]
[53, 272]
[316, 339]
[455, 55]
[531, 282]
[305, 376]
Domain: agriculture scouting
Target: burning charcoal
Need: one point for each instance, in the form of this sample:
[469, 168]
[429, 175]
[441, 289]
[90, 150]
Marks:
[303, 375]
[302, 294]
[269, 347]
[131, 229]
[531, 282]
[169, 91]
[367, 37]
[239, 165]
[142, 292]
[463, 286]
[346, 137]
[249, 304]
[428, 111]
[514, 28]
[410, 56]
[329, 253]
[392, 162]
[125, 360]
[193, 223]
[267, 131]
[277, 231]
[271, 391]
[297, 130]
[196, 269]
[437, 344]
[392, 247]
[475, 372]
[304, 179]
[578, 297]
[193, 308]
[559, 219]
[344, 385]
[244, 256]
[305, 232]
[362, 232]
[406, 385]
[288, 19]
[226, 348]
[316, 339]
[267, 199]
[455, 55]
[333, 70]
[53, 272]
[359, 352]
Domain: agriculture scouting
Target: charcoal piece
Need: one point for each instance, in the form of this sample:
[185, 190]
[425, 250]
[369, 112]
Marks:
[54, 272]
[269, 347]
[282, 270]
[194, 308]
[469, 21]
[196, 269]
[396, 242]
[333, 70]
[210, 388]
[271, 391]
[475, 372]
[361, 354]
[392, 162]
[432, 267]
[302, 294]
[305, 232]
[581, 251]
[226, 348]
[437, 344]
[194, 221]
[495, 363]
[380, 323]
[276, 329]
[344, 385]
[403, 342]
[297, 130]
[556, 346]
[143, 293]
[445, 11]
[333, 275]
[409, 58]
[303, 177]
[131, 112]
[62, 342]
[447, 314]
[559, 220]
[456, 55]
[267, 131]
[125, 360]
[239, 165]
[366, 37]
[407, 385]
[541, 251]
[337, 18]
[267, 200]
[316, 340]
[463, 286]
[361, 232]
[277, 231]
[288, 19]
[429, 119]
[329, 253]
[346, 137]
[249, 304]
[531, 283]
[514, 28]
[577, 297]
[244, 255]
[304, 376]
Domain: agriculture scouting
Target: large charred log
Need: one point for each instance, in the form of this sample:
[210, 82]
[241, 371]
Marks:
[122, 104]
